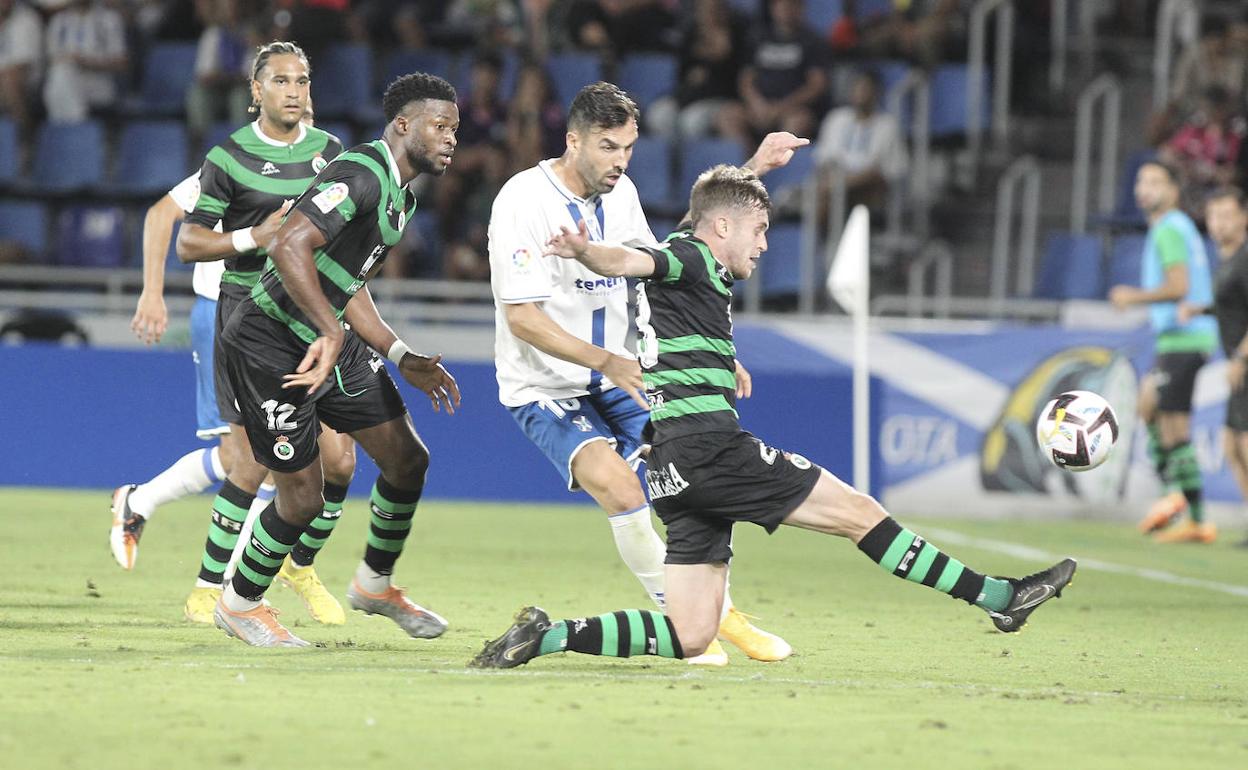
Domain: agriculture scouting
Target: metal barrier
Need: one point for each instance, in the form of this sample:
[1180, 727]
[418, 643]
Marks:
[1047, 310]
[976, 56]
[1059, 43]
[1025, 171]
[915, 86]
[935, 257]
[1105, 90]
[1179, 18]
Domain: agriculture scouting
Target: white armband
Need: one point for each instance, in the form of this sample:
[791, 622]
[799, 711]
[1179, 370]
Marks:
[242, 240]
[397, 351]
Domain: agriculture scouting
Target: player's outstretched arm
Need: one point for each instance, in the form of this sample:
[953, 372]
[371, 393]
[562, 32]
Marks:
[422, 372]
[291, 251]
[151, 317]
[606, 260]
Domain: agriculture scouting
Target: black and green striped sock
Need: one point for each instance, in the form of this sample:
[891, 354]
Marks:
[1183, 472]
[392, 510]
[229, 511]
[909, 556]
[319, 529]
[271, 540]
[620, 634]
[1158, 455]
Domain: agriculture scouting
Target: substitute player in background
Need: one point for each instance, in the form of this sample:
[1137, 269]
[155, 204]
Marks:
[563, 366]
[133, 505]
[1226, 214]
[705, 473]
[247, 183]
[1174, 269]
[292, 364]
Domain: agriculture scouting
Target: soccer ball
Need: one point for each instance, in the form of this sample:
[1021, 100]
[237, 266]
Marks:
[1077, 430]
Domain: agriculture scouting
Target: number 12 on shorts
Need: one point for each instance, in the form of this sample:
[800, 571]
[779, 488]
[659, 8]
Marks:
[279, 415]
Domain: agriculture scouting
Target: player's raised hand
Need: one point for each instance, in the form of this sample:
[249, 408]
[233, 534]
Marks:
[150, 318]
[263, 233]
[625, 372]
[745, 383]
[429, 375]
[775, 151]
[568, 244]
[316, 365]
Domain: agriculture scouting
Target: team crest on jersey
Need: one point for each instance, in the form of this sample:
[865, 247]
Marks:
[329, 198]
[283, 449]
[522, 260]
[318, 164]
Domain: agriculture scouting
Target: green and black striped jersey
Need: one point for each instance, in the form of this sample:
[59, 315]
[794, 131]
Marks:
[247, 177]
[684, 327]
[361, 208]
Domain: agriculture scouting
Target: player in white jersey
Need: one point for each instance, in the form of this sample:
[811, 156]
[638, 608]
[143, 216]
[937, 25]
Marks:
[564, 370]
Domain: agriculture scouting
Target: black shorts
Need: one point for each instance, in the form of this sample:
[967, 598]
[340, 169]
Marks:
[284, 423]
[227, 405]
[1175, 378]
[1237, 410]
[701, 485]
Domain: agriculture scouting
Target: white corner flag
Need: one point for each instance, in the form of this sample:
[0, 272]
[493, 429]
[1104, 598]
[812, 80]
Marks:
[849, 283]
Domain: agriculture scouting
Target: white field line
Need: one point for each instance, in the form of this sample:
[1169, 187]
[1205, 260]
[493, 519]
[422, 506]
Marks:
[1027, 552]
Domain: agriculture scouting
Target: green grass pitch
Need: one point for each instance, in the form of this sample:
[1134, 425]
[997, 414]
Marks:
[99, 670]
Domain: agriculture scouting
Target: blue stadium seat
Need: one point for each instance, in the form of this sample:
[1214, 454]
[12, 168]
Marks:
[461, 76]
[780, 268]
[216, 134]
[868, 9]
[570, 72]
[950, 86]
[791, 175]
[68, 156]
[647, 77]
[698, 156]
[90, 236]
[152, 157]
[822, 14]
[342, 83]
[8, 151]
[400, 63]
[651, 170]
[1071, 268]
[26, 223]
[1124, 260]
[168, 71]
[344, 132]
[752, 10]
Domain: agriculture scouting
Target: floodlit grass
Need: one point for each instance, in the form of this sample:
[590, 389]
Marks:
[99, 670]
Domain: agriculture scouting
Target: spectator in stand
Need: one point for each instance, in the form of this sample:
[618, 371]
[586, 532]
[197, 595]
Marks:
[783, 84]
[919, 31]
[222, 68]
[21, 62]
[86, 49]
[863, 143]
[712, 49]
[1213, 61]
[616, 27]
[535, 124]
[1206, 150]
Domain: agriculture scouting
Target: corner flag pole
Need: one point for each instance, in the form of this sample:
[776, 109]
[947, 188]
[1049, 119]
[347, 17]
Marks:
[849, 284]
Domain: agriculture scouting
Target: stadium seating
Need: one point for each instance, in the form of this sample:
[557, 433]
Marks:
[168, 71]
[783, 179]
[151, 158]
[651, 170]
[402, 63]
[25, 223]
[570, 72]
[342, 84]
[699, 156]
[90, 236]
[1126, 215]
[780, 268]
[1124, 260]
[647, 77]
[1071, 268]
[8, 151]
[822, 14]
[950, 86]
[68, 157]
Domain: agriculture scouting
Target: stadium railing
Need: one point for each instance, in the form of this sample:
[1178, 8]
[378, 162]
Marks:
[1175, 18]
[1105, 91]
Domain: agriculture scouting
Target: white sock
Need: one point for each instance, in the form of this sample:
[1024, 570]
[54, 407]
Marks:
[191, 474]
[370, 580]
[641, 548]
[263, 497]
[201, 583]
[236, 603]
